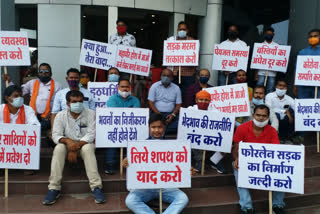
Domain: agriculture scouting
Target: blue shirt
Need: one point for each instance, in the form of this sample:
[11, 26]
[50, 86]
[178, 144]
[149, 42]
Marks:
[60, 101]
[165, 99]
[117, 101]
[310, 51]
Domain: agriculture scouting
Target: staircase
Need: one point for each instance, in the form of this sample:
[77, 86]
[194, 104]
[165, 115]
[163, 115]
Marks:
[211, 193]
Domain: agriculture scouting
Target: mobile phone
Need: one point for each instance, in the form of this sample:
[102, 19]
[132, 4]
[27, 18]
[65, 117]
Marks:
[286, 106]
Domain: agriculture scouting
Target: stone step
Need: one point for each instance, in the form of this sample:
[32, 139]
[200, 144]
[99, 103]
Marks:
[201, 200]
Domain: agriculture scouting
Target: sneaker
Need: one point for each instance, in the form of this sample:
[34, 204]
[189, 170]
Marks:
[51, 197]
[247, 211]
[108, 171]
[278, 210]
[98, 196]
[219, 167]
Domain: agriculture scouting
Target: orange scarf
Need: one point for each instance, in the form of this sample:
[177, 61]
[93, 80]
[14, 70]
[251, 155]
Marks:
[35, 92]
[21, 117]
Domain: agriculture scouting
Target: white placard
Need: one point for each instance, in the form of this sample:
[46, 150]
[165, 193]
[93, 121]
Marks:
[155, 164]
[230, 57]
[308, 71]
[102, 91]
[116, 126]
[20, 146]
[270, 57]
[14, 48]
[206, 130]
[133, 60]
[271, 167]
[230, 99]
[307, 115]
[97, 54]
[181, 52]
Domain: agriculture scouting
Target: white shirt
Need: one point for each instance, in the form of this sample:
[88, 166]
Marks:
[277, 105]
[60, 101]
[31, 118]
[43, 94]
[80, 129]
[264, 72]
[127, 40]
[237, 42]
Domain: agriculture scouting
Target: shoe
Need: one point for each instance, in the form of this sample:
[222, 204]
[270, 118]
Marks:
[108, 171]
[51, 197]
[98, 196]
[278, 210]
[247, 211]
[219, 167]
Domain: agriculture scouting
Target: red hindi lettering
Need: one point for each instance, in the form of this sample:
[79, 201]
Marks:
[182, 156]
[138, 157]
[32, 140]
[147, 176]
[175, 176]
[26, 157]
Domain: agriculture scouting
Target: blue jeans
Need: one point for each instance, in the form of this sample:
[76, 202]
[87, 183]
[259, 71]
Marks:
[245, 198]
[307, 92]
[173, 126]
[222, 78]
[137, 198]
[271, 81]
[111, 158]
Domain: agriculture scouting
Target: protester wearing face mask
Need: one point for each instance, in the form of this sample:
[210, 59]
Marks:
[84, 79]
[187, 72]
[232, 41]
[113, 75]
[258, 99]
[122, 37]
[60, 103]
[256, 131]
[165, 98]
[268, 40]
[283, 106]
[203, 77]
[74, 135]
[123, 99]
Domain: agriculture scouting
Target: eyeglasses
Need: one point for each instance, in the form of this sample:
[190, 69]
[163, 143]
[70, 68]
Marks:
[44, 71]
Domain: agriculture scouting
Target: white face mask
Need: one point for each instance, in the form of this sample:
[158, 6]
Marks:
[124, 94]
[76, 107]
[17, 102]
[281, 92]
[260, 124]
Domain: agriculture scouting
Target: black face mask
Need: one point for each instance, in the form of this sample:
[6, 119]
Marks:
[232, 35]
[268, 38]
[44, 79]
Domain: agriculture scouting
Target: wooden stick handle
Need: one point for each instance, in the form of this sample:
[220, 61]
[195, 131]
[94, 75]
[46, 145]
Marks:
[160, 201]
[95, 75]
[121, 159]
[130, 78]
[6, 72]
[6, 180]
[270, 202]
[318, 144]
[265, 79]
[203, 162]
[227, 77]
[179, 74]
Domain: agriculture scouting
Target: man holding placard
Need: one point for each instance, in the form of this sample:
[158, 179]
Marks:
[256, 131]
[137, 198]
[123, 99]
[74, 133]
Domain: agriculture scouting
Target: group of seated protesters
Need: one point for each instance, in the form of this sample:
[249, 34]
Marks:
[71, 114]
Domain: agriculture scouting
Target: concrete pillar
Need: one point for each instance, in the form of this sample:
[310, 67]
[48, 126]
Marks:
[112, 19]
[59, 34]
[174, 21]
[209, 34]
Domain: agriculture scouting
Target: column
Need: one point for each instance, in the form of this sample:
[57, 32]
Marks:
[209, 34]
[59, 34]
[173, 23]
[112, 19]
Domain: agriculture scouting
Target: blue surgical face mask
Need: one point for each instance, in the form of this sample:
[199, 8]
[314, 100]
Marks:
[257, 101]
[17, 102]
[182, 34]
[76, 107]
[204, 80]
[165, 80]
[113, 78]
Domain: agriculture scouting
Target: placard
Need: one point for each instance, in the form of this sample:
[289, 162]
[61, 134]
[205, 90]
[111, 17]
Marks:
[20, 146]
[307, 71]
[206, 130]
[155, 164]
[307, 115]
[271, 167]
[102, 91]
[116, 126]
